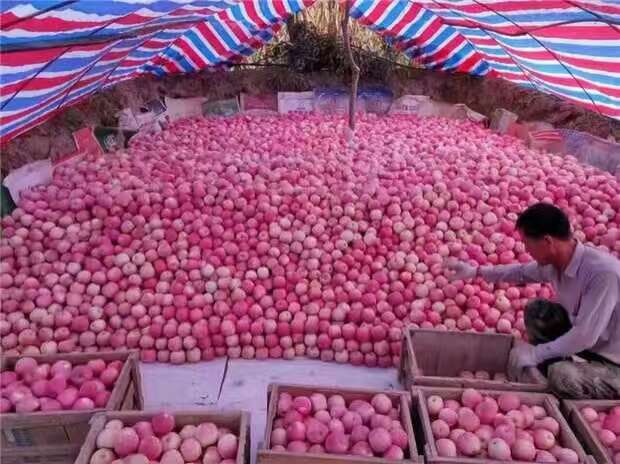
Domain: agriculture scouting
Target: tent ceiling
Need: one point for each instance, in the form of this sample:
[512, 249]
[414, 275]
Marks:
[54, 53]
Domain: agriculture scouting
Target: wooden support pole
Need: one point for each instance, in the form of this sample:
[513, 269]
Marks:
[355, 70]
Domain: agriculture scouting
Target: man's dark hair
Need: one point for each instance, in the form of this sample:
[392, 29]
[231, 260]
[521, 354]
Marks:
[544, 219]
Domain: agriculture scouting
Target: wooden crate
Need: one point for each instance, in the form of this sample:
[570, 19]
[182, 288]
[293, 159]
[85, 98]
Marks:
[267, 456]
[436, 358]
[589, 438]
[549, 402]
[56, 437]
[237, 421]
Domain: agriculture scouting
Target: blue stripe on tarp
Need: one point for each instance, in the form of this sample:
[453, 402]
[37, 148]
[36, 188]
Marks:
[265, 11]
[230, 41]
[6, 128]
[577, 92]
[360, 7]
[13, 77]
[176, 56]
[414, 28]
[573, 46]
[6, 5]
[445, 35]
[199, 44]
[550, 17]
[392, 15]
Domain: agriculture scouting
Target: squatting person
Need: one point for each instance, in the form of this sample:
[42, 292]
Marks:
[576, 340]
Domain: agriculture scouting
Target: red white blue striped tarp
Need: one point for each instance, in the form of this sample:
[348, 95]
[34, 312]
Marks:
[53, 53]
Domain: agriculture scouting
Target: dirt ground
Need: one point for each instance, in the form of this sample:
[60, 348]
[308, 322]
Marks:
[53, 138]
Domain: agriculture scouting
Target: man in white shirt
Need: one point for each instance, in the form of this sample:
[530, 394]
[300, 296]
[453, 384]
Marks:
[585, 320]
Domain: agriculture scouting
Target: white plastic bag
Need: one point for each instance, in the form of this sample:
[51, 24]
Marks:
[28, 176]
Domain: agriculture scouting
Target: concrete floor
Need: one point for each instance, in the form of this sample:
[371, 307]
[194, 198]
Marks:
[237, 384]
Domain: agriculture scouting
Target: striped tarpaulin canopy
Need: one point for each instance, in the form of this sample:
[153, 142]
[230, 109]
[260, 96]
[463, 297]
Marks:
[53, 53]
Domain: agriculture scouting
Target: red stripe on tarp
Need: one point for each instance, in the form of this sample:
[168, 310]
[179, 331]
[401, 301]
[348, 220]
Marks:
[38, 83]
[212, 39]
[429, 32]
[470, 62]
[278, 5]
[26, 111]
[190, 52]
[53, 24]
[600, 31]
[376, 13]
[605, 8]
[234, 27]
[43, 56]
[254, 16]
[591, 65]
[444, 52]
[406, 20]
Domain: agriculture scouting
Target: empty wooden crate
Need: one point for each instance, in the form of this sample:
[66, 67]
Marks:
[436, 357]
[583, 430]
[566, 437]
[56, 437]
[268, 456]
[238, 422]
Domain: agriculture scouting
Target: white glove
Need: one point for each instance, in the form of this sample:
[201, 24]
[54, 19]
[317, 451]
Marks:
[460, 270]
[522, 355]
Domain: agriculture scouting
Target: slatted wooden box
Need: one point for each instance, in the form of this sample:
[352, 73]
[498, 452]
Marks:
[566, 437]
[237, 421]
[56, 437]
[267, 456]
[437, 357]
[587, 436]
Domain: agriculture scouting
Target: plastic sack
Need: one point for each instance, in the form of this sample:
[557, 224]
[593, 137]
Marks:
[409, 104]
[178, 108]
[502, 119]
[331, 100]
[295, 102]
[221, 108]
[376, 100]
[464, 112]
[86, 142]
[522, 130]
[592, 150]
[264, 104]
[28, 176]
[127, 120]
[112, 138]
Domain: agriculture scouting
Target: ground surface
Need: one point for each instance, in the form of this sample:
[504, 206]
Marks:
[229, 384]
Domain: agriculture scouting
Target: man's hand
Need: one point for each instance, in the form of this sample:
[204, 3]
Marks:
[522, 355]
[460, 270]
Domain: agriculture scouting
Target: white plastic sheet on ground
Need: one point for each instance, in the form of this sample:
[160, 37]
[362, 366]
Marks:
[28, 176]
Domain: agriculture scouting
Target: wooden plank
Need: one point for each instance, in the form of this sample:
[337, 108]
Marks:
[244, 439]
[97, 424]
[572, 410]
[281, 457]
[436, 358]
[549, 402]
[44, 455]
[138, 394]
[237, 421]
[267, 456]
